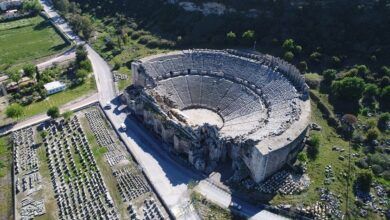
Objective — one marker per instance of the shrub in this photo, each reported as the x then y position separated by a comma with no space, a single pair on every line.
371,90
302,157
289,56
302,66
384,121
372,134
364,180
385,97
362,163
313,146
386,175
231,37
53,112
377,169
288,44
248,36
349,88
14,111
329,75
315,57
67,115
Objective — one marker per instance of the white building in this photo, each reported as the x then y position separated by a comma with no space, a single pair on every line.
7,4
54,87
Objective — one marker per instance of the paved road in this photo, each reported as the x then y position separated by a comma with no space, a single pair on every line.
61,58
72,106
169,178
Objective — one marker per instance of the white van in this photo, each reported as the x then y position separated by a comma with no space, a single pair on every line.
123,127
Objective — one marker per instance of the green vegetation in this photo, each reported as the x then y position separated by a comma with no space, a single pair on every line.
364,180
14,111
6,205
59,99
208,210
27,40
67,115
53,112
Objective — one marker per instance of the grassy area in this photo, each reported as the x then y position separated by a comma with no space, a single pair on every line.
50,201
60,99
6,211
316,169
26,40
208,210
105,169
123,84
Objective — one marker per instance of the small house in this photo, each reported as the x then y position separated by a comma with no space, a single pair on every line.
54,87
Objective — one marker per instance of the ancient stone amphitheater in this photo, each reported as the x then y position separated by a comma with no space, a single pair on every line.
218,107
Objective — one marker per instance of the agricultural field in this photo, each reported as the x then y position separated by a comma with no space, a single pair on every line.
28,40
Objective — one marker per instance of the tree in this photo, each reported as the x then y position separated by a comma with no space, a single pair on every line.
33,6
329,75
67,115
289,56
231,37
81,53
15,76
372,134
315,57
248,36
62,5
14,111
53,112
349,88
364,180
302,66
385,98
288,45
371,91
86,65
30,70
81,74
384,121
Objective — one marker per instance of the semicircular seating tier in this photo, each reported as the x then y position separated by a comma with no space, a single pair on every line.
253,98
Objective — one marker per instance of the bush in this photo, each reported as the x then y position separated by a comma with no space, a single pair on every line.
67,115
329,75
384,121
372,134
364,180
362,163
302,66
288,56
302,157
377,169
231,37
53,112
248,36
386,175
14,111
86,65
349,88
371,90
288,45
315,57
313,146
385,97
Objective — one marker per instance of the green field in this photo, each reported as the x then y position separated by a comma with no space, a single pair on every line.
27,40
59,99
5,179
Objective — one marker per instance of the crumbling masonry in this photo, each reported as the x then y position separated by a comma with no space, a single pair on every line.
261,100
